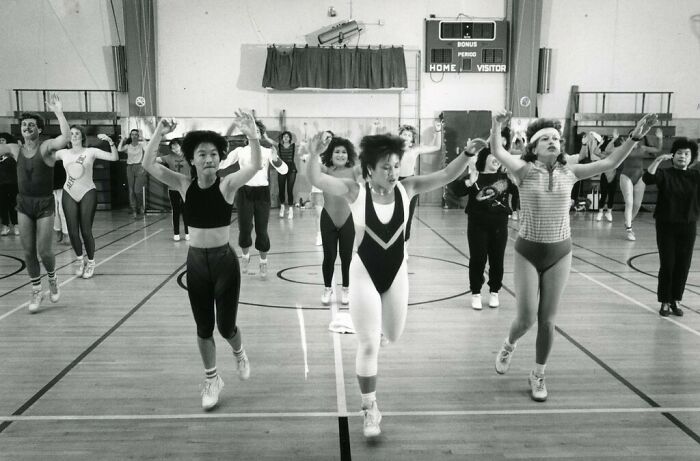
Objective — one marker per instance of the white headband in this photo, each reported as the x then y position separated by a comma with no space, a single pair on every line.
544,131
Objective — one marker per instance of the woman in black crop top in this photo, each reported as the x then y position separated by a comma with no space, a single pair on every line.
213,273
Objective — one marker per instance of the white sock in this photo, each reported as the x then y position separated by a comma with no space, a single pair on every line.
368,399
509,345
539,369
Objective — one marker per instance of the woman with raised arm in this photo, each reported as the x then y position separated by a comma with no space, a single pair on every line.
213,272
542,258
286,150
80,198
378,272
135,173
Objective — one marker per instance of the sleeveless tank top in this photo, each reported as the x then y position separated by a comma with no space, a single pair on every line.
77,186
34,177
206,208
287,155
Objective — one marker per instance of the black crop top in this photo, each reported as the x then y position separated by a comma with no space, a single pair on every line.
206,208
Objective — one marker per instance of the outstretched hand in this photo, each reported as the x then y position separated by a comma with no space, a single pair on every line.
166,126
318,144
501,116
644,125
54,103
246,123
104,137
474,146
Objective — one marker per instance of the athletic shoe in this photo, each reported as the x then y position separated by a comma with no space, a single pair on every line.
291,213
599,216
16,230
608,215
35,302
538,390
503,358
89,270
243,366
326,296
80,266
187,237
134,215
515,216
176,237
245,264
383,341
345,295
65,240
675,310
210,392
263,269
476,302
493,300
665,310
5,231
54,290
630,234
319,240
372,418
282,210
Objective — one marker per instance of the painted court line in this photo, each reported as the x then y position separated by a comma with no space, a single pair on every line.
332,414
302,333
23,305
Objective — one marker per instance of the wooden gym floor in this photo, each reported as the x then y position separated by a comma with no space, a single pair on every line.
112,370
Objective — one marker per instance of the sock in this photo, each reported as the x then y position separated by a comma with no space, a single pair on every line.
210,373
539,369
36,284
239,353
510,347
368,399
91,262
246,256
263,260
52,275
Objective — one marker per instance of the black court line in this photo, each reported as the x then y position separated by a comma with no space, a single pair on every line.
651,402
344,434
22,265
630,263
100,248
33,399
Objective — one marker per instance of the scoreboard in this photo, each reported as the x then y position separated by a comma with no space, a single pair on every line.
466,46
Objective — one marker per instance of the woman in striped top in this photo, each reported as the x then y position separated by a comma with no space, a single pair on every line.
542,258
286,150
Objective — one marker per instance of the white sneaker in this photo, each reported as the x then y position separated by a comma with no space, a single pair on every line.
80,267
243,366
245,264
187,237
608,215
538,390
319,240
326,296
515,216
372,418
5,231
630,234
263,269
476,302
35,302
89,270
210,392
16,230
54,290
503,358
291,213
176,237
493,300
345,295
599,216
282,210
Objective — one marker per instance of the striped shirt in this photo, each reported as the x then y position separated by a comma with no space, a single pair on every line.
545,199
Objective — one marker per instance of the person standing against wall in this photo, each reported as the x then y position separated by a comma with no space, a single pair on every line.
287,150
135,174
176,162
8,189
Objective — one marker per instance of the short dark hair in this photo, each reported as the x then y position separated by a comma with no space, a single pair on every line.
9,139
375,147
327,155
291,136
685,143
261,127
507,135
481,159
410,128
82,133
197,137
533,128
34,116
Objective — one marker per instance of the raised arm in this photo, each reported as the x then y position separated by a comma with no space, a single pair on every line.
435,144
619,154
655,164
334,186
659,143
102,155
50,146
168,177
512,163
122,145
231,183
275,159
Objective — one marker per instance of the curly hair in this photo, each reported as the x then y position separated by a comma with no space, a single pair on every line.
481,159
533,128
375,147
685,143
327,155
197,137
34,116
412,129
9,139
281,136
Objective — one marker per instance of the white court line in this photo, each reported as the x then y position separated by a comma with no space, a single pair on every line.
634,301
302,332
332,414
338,357
75,276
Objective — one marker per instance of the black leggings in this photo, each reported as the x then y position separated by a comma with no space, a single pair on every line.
213,286
675,242
253,204
334,237
515,199
286,184
178,209
79,218
487,240
8,204
608,190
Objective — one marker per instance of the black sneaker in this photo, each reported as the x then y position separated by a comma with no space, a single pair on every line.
665,310
675,310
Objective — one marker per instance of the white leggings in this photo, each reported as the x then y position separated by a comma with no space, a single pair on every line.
374,314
